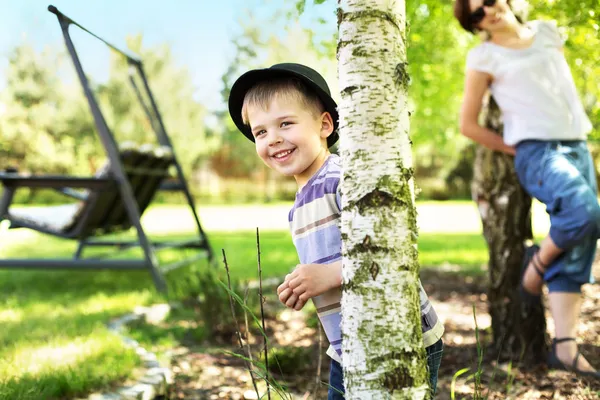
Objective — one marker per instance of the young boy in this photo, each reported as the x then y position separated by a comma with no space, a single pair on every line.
288,112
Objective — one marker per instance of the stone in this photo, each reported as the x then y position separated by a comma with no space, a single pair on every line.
156,378
157,381
250,395
127,318
104,396
157,313
140,391
185,366
161,371
149,356
130,342
151,364
140,351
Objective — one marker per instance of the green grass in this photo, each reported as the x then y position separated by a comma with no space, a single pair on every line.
467,251
53,338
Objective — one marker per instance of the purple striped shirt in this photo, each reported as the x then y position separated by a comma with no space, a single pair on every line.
315,226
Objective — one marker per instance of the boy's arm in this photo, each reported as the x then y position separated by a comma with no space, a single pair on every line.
308,281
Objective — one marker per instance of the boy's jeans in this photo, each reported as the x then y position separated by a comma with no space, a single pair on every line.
434,359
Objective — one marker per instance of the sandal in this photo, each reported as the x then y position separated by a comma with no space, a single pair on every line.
531,254
555,363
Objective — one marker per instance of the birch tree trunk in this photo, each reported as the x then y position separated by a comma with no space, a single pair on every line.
383,354
519,332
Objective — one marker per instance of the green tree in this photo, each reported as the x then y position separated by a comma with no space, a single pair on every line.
580,26
173,92
47,127
32,102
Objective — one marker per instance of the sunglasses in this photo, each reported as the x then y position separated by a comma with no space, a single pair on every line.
479,13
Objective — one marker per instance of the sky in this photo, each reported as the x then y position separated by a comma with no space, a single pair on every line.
199,32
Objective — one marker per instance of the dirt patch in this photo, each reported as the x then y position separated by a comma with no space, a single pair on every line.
212,373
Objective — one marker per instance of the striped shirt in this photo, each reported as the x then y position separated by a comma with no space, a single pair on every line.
315,227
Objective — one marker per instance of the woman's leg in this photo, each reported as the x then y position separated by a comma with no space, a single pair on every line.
565,308
566,183
532,281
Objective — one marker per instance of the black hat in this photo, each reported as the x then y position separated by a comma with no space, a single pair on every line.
306,75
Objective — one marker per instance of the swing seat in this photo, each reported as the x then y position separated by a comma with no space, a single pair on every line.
100,209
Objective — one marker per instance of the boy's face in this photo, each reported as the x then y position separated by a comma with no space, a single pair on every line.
289,138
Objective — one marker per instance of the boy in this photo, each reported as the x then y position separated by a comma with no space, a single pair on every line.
288,112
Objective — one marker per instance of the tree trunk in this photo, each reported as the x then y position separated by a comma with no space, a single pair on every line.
383,354
519,332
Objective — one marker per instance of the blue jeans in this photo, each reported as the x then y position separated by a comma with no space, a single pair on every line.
561,175
434,359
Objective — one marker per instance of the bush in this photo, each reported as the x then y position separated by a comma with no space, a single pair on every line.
201,288
288,360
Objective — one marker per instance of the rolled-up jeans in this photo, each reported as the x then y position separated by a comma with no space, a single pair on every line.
561,175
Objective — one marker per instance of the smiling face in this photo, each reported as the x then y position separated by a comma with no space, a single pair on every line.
497,16
289,137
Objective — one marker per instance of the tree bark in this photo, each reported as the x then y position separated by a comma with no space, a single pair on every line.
519,331
383,354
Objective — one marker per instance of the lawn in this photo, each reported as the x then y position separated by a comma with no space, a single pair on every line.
53,341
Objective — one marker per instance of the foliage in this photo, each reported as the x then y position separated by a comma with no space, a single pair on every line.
34,123
437,48
211,302
46,125
183,116
288,360
578,22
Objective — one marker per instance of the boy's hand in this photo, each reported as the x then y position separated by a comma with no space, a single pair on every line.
287,296
311,280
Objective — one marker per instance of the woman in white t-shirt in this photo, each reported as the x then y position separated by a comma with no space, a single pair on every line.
545,128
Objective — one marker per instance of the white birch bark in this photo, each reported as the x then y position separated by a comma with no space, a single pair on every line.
383,355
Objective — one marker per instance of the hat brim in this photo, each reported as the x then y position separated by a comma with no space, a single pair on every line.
250,78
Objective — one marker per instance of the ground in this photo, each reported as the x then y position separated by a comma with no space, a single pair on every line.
49,331
208,373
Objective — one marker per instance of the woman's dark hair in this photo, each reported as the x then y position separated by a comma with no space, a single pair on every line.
462,12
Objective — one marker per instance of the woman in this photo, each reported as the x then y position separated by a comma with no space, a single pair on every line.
545,128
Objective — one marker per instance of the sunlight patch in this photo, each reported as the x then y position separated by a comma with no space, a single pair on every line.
100,303
11,315
55,356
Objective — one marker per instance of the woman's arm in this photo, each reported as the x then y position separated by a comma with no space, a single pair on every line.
476,84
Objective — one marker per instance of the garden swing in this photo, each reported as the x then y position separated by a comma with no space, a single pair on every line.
114,199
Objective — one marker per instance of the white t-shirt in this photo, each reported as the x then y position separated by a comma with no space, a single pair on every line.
533,87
